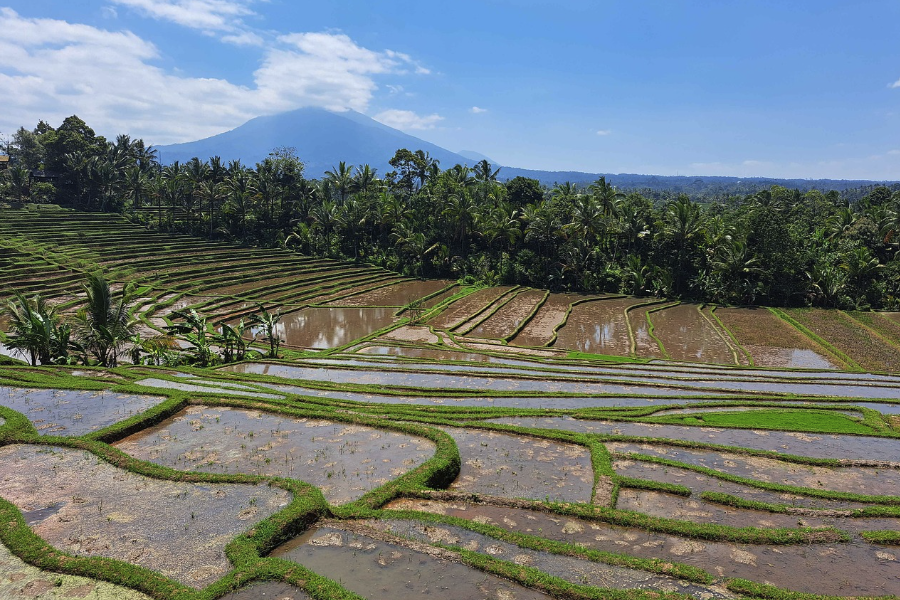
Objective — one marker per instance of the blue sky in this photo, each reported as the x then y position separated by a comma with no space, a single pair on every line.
770,88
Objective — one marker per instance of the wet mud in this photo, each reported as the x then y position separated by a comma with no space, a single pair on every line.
859,480
573,570
818,568
380,570
344,461
21,581
268,590
511,466
177,529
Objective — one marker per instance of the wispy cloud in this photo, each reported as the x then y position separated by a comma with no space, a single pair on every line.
407,120
476,110
51,69
604,132
207,15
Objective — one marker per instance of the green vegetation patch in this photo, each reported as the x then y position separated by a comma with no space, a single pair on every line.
809,421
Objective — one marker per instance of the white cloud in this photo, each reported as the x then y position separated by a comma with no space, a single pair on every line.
407,120
896,84
206,15
475,110
51,69
244,38
603,132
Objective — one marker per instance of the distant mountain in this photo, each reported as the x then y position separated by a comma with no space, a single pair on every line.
476,157
323,138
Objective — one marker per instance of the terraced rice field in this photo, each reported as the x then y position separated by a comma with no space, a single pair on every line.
512,443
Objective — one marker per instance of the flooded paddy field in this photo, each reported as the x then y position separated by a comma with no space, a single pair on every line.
846,335
817,568
571,569
817,445
268,590
88,507
64,412
463,309
388,569
423,379
771,342
496,378
511,466
508,319
561,403
396,295
598,327
859,480
344,461
688,335
698,483
332,327
539,330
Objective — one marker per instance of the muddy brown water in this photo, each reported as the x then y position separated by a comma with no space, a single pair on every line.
331,327
177,529
858,480
571,569
644,344
818,568
464,308
22,581
268,590
510,317
816,445
770,341
343,460
688,336
65,412
598,327
378,570
511,466
539,330
397,295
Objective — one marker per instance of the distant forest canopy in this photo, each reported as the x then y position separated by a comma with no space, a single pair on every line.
775,246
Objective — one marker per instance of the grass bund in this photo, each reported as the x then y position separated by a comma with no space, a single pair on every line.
416,393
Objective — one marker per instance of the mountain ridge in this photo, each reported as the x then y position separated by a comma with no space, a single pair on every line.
323,138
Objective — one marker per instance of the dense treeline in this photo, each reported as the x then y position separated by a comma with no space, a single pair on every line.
777,246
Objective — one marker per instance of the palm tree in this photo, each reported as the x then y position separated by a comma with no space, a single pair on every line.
19,182
105,325
341,179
